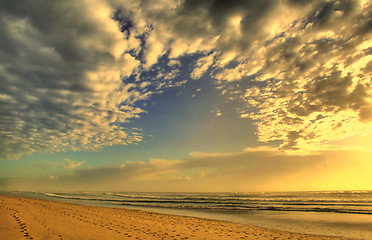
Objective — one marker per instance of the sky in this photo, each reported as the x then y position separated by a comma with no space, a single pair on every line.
185,95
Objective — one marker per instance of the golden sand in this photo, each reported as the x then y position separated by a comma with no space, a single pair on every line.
22,218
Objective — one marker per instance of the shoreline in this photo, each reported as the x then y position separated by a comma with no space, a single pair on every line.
29,218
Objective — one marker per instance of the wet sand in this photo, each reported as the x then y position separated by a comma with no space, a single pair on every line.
22,218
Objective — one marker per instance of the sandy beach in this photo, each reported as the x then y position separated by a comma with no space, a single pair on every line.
23,218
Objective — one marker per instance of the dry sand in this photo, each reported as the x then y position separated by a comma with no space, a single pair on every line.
22,218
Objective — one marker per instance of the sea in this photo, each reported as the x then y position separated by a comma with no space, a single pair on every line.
334,213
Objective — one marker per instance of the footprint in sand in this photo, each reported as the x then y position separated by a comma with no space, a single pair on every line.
22,225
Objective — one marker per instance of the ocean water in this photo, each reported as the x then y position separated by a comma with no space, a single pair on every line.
335,213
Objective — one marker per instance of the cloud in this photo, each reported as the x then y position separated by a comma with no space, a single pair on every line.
254,169
66,71
301,67
69,164
73,73
61,68
308,85
202,65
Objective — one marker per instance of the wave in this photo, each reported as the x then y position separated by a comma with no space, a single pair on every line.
269,200
228,202
253,208
79,197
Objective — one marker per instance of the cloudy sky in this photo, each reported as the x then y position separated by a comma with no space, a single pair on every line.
185,95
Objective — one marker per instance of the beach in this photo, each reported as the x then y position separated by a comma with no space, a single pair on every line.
24,218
